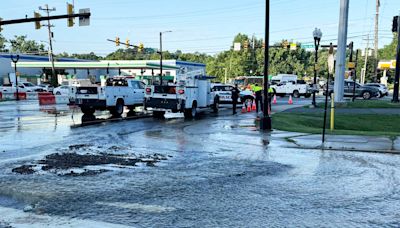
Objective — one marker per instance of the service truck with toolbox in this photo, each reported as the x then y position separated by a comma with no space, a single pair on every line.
118,93
190,93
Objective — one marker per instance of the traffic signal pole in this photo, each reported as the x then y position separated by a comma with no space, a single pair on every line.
397,75
266,122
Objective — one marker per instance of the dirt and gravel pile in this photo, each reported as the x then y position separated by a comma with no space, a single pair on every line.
76,164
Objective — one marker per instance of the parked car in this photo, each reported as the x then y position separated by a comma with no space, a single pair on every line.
61,90
23,87
47,87
383,90
366,92
224,92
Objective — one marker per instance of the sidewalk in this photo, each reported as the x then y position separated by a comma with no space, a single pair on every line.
347,142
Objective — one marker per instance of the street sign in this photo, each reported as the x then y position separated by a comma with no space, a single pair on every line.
351,65
84,21
307,46
236,46
331,63
293,46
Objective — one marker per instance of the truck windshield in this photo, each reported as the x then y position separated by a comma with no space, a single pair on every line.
165,89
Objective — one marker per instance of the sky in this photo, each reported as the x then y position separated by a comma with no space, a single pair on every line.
206,26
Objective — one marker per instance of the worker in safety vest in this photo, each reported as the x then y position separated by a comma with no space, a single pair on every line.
258,91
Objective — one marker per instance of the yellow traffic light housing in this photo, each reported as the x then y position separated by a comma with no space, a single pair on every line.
70,11
141,47
127,43
285,44
37,23
246,45
117,41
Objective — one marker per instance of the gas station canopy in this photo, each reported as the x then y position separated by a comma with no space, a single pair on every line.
95,65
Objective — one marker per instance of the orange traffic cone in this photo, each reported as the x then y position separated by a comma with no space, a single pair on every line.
243,109
274,101
249,107
290,100
253,106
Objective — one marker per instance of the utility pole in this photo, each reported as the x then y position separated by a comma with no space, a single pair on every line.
341,52
161,57
378,4
266,122
364,72
54,79
397,75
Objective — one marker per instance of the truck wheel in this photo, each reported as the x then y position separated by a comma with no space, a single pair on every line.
191,112
88,110
296,94
366,95
118,109
158,114
216,105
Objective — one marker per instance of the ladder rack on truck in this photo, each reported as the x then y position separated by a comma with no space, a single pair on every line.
190,94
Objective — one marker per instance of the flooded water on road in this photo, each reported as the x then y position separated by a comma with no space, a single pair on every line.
219,172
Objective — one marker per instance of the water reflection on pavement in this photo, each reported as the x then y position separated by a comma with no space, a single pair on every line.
220,172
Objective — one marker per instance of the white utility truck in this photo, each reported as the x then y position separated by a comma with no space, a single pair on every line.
292,88
189,94
118,93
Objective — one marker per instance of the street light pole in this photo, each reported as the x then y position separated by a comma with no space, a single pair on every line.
266,122
317,38
15,60
161,57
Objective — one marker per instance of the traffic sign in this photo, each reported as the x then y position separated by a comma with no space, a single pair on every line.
307,46
84,21
293,46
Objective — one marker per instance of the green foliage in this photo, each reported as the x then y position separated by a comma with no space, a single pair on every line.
21,45
2,43
90,56
389,51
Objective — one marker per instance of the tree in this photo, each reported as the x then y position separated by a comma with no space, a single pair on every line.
388,52
2,44
21,45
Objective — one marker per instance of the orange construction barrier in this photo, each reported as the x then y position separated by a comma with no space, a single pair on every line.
46,98
249,107
21,95
290,100
274,101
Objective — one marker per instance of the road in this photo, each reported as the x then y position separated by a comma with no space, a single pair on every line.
216,171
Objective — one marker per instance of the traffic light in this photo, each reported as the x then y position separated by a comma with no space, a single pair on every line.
395,25
1,29
37,23
127,43
141,47
285,44
70,11
117,41
245,45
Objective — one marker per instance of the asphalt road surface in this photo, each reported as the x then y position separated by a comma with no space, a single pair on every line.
216,171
